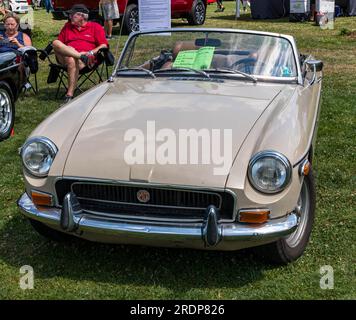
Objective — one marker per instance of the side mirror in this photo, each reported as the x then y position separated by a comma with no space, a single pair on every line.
315,65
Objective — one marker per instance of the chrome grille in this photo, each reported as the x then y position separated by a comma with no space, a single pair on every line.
158,197
115,199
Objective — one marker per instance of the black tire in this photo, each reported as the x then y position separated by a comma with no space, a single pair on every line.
198,13
50,233
130,19
290,248
7,111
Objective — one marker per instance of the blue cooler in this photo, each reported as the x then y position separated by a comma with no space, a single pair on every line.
338,11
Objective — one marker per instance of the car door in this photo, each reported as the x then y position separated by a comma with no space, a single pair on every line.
181,6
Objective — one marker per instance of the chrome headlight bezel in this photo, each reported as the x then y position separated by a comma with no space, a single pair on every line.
51,147
276,156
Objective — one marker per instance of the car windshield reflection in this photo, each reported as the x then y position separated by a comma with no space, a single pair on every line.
212,52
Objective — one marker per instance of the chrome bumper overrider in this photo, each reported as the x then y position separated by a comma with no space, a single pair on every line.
207,235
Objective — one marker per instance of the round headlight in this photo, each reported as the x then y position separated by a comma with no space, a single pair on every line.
269,172
38,155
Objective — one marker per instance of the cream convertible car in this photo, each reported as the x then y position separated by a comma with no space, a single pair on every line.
202,138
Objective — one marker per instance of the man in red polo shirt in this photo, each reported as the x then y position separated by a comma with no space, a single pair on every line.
77,44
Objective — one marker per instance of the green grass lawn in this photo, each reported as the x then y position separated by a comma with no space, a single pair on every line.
83,270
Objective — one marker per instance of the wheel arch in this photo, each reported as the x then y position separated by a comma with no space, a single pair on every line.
132,2
14,92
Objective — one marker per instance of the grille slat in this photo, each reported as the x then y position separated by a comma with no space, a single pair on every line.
164,203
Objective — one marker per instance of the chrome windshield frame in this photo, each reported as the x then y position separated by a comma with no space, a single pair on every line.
290,39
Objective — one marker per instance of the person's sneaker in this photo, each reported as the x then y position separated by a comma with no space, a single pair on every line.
67,99
109,37
222,9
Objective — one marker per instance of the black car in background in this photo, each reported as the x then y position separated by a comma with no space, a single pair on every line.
13,77
11,80
15,68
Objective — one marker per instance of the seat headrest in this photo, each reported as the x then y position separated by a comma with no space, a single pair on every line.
182,46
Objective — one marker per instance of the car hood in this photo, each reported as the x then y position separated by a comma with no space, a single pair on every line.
131,106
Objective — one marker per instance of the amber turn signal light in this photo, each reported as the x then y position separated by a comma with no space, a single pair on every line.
304,168
42,199
254,216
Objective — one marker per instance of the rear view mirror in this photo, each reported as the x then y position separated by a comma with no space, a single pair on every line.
208,42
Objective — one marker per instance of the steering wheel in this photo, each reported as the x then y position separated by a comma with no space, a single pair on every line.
249,64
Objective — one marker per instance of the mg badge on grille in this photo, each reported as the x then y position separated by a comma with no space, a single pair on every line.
143,196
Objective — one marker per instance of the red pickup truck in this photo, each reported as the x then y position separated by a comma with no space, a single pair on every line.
193,10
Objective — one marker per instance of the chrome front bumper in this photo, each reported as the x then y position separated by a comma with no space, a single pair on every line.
232,236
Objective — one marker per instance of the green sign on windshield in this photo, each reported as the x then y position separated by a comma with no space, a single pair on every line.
196,59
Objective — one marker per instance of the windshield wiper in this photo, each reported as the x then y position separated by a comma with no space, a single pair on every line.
201,72
246,75
149,72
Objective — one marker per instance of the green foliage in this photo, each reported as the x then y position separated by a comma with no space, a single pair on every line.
345,32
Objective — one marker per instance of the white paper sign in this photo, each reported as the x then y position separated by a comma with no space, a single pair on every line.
325,6
299,6
154,14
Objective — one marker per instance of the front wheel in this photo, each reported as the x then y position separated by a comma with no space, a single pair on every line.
7,111
130,19
197,14
290,248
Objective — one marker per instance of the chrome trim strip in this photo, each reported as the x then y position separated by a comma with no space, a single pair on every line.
140,218
162,233
141,204
11,67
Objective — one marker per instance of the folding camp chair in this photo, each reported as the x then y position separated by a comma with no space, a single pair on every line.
30,59
104,59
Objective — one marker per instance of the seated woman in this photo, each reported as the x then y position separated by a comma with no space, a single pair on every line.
11,39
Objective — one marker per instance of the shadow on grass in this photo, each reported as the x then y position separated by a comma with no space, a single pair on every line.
44,94
176,269
49,93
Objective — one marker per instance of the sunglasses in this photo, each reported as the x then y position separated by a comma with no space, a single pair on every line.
81,14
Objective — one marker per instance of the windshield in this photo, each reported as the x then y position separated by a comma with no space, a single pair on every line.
210,51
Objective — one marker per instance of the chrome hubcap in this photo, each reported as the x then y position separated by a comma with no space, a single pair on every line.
134,25
199,13
303,207
5,112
